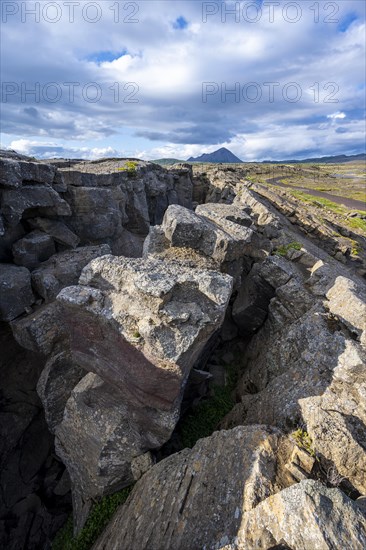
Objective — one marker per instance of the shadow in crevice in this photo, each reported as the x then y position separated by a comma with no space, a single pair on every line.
35,497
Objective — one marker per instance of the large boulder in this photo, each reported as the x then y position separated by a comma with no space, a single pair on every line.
148,322
140,325
16,294
225,238
303,517
198,498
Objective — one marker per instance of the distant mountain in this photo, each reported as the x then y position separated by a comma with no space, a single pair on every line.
336,159
221,155
167,162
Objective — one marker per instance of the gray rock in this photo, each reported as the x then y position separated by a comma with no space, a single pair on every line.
99,439
15,291
184,228
58,379
159,318
10,173
64,269
347,301
228,243
36,247
194,498
226,216
57,230
304,516
30,201
140,325
336,420
11,235
97,213
41,330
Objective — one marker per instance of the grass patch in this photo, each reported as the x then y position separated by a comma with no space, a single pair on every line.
353,223
203,420
284,249
98,519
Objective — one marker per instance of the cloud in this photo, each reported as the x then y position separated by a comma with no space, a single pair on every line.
47,150
132,81
336,115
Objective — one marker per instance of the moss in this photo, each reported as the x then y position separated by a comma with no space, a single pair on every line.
98,519
283,250
203,420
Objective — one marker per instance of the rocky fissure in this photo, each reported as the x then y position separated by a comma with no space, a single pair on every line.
119,279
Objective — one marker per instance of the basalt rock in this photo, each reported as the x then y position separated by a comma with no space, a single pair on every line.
57,230
198,498
336,420
99,438
16,294
63,269
140,325
304,516
225,238
36,247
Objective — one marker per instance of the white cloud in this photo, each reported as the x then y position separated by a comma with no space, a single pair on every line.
169,67
336,115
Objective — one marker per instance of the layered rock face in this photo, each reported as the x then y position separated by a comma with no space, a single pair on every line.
228,493
140,325
197,498
124,291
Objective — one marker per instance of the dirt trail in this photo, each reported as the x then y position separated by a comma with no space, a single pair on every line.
348,203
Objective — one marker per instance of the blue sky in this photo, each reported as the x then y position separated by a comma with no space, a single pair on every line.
177,78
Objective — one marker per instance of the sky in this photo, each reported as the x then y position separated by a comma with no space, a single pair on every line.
152,79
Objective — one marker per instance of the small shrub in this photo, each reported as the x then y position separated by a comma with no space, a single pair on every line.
303,440
130,167
98,519
284,249
136,334
203,420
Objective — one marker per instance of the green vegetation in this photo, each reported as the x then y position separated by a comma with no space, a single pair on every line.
282,250
203,420
130,167
303,440
136,334
353,223
98,518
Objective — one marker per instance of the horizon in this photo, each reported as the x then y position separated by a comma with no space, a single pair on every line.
157,80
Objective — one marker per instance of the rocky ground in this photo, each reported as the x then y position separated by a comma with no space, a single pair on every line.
130,294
